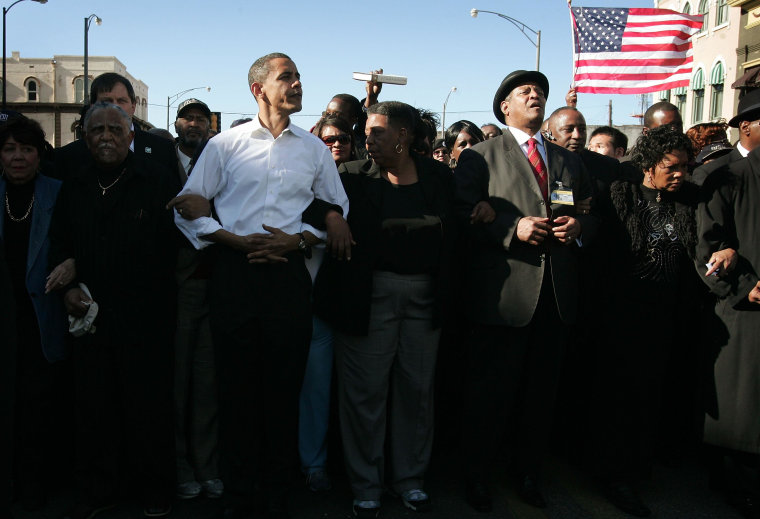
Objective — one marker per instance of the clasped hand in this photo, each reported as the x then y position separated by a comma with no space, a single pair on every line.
534,230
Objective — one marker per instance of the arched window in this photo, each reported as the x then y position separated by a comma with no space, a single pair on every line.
704,10
721,12
698,96
680,99
144,102
79,90
716,94
687,8
32,90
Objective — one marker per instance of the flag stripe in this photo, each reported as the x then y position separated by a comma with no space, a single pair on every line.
634,50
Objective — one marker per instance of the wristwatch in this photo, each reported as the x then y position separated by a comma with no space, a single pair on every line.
303,246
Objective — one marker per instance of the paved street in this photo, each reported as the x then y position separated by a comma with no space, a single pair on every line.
674,493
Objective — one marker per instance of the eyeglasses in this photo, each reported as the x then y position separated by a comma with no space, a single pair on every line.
332,139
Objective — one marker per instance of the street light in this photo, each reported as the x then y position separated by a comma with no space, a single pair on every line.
170,99
443,119
519,25
87,22
5,10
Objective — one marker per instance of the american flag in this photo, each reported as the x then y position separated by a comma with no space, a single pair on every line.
631,51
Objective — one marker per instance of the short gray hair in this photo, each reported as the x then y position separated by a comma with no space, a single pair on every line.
102,105
260,68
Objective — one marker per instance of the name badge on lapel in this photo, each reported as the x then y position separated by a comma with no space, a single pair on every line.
148,150
561,196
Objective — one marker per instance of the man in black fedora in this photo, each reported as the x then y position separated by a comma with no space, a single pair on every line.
747,120
522,282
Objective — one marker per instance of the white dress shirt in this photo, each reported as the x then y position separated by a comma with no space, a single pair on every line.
741,149
522,139
255,179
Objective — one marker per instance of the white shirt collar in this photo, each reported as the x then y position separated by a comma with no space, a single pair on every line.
522,138
741,149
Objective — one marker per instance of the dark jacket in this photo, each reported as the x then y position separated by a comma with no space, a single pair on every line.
505,275
124,244
51,316
343,289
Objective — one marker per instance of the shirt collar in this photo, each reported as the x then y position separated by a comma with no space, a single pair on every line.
258,129
741,149
521,137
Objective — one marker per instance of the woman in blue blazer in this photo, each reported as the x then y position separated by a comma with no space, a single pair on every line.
28,198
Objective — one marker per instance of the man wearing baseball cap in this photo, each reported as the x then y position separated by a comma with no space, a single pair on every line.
196,402
192,125
522,281
747,120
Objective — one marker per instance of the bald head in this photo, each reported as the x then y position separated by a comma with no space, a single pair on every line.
568,127
662,114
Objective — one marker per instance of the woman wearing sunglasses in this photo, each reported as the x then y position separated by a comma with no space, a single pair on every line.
337,135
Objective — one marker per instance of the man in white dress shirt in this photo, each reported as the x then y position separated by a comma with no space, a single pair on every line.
262,175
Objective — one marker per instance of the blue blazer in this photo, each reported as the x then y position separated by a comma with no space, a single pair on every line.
51,314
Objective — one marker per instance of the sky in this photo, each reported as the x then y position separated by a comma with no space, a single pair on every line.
175,45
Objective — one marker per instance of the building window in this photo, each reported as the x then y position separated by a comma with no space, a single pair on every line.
721,12
32,90
687,8
664,95
680,98
704,10
716,93
79,90
698,96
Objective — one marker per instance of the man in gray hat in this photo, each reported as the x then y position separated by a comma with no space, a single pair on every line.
522,281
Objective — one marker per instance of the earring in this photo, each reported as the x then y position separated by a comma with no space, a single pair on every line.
399,148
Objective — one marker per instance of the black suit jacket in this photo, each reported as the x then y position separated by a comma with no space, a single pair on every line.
702,172
504,274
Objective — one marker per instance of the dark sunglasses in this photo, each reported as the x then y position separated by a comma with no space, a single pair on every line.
332,139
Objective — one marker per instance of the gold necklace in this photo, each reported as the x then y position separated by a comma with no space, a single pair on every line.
26,215
106,188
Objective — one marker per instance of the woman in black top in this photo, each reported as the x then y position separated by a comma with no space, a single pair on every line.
383,305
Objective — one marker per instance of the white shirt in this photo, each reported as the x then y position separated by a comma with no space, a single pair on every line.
256,179
522,139
741,149
184,160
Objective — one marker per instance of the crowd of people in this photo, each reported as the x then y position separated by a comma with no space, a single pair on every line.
173,312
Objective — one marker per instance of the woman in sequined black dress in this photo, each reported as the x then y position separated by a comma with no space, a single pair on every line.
654,284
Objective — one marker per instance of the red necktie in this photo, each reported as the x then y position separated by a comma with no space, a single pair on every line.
539,168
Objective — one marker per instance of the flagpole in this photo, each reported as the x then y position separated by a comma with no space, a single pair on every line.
572,40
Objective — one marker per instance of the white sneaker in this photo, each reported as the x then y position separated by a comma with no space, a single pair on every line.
188,490
214,488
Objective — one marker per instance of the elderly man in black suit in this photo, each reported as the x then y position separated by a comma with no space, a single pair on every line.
522,280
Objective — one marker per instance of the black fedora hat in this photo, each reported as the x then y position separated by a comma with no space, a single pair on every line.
515,79
749,109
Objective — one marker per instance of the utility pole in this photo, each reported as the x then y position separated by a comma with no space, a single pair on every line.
609,114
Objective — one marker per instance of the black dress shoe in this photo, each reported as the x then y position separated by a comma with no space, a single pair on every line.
530,491
478,496
627,499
